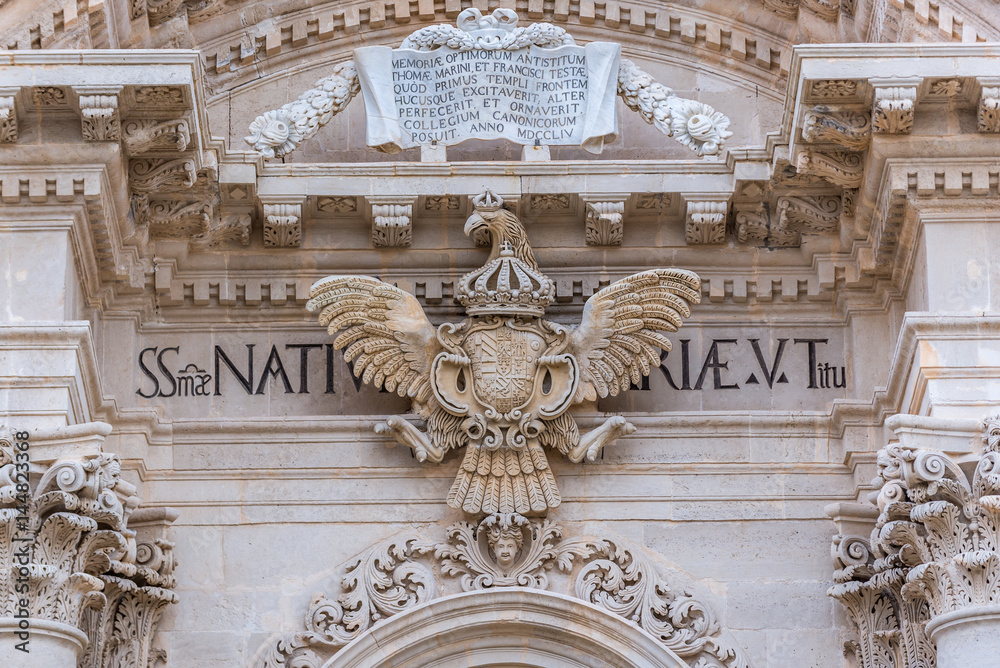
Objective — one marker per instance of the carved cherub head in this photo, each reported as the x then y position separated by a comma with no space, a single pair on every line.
505,537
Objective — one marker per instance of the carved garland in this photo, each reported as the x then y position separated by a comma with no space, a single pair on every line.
504,550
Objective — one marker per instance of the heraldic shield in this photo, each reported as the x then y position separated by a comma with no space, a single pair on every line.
501,382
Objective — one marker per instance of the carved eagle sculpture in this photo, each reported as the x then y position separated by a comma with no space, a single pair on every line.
501,382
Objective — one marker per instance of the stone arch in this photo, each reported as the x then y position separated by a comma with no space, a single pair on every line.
502,628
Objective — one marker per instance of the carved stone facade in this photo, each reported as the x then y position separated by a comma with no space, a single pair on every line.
643,289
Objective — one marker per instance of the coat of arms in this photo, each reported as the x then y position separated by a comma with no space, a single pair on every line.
501,382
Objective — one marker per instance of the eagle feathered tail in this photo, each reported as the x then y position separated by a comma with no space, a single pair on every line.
504,481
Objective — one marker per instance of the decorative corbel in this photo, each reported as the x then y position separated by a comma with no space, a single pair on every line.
786,8
282,224
176,219
847,127
895,100
233,228
819,214
99,112
392,221
604,220
752,224
988,111
8,115
842,168
143,135
148,175
705,222
828,10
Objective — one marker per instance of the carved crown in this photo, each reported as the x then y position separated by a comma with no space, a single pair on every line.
505,286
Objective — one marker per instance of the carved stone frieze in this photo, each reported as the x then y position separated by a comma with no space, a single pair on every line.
50,96
705,222
847,127
8,115
144,135
504,419
392,221
149,175
892,112
842,168
988,109
99,113
442,203
282,225
652,201
159,97
506,550
604,222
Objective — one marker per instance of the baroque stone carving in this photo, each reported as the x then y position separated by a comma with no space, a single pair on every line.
500,383
652,201
786,8
392,221
99,114
893,110
847,127
604,223
176,219
842,168
819,214
8,116
828,10
441,203
159,96
705,222
827,89
234,228
282,225
143,135
337,204
70,532
752,224
694,124
988,112
50,96
549,202
147,175
506,550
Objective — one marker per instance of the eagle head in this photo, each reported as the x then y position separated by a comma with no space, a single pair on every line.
503,227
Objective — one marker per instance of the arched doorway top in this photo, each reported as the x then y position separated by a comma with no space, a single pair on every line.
505,627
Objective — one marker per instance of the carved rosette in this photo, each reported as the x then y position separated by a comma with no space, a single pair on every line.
506,550
66,530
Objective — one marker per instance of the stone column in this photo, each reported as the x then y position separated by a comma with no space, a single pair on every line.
933,570
66,550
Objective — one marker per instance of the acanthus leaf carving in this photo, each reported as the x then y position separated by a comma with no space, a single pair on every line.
392,221
988,111
178,219
844,126
831,89
99,113
148,175
506,550
816,214
604,222
8,115
893,109
231,228
789,9
705,222
828,10
282,225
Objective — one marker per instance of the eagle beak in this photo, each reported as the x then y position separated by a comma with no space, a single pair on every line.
474,222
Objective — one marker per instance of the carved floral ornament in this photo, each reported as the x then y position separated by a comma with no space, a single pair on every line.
506,550
934,554
692,123
501,382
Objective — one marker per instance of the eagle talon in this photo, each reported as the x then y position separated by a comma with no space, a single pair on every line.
406,434
594,441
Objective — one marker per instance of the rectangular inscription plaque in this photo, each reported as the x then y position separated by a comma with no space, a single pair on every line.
558,96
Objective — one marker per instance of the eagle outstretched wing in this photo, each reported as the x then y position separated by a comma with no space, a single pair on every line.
385,332
619,339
